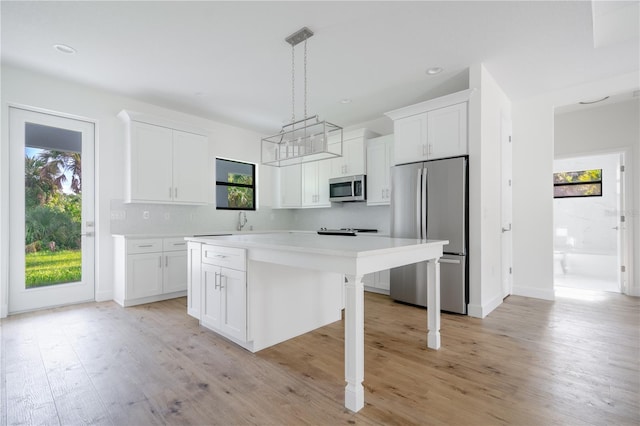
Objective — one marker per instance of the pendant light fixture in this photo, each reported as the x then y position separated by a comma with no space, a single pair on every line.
307,139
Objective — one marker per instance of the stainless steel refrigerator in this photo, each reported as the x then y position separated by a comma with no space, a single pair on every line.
429,200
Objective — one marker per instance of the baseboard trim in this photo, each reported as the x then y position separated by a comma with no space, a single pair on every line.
481,311
536,293
633,291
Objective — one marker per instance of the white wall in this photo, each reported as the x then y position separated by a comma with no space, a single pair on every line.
602,129
27,88
486,109
533,153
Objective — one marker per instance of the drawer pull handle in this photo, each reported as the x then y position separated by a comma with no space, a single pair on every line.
179,244
145,245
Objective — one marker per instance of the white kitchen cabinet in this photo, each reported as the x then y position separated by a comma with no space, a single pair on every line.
290,181
315,184
164,164
378,282
224,291
447,131
411,139
149,269
432,129
194,279
379,163
353,159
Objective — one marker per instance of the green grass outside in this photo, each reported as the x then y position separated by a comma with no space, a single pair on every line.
48,268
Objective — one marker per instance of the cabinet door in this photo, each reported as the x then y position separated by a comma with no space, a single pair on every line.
310,183
376,163
315,184
324,169
410,136
447,131
354,157
144,275
194,287
352,161
389,162
290,190
151,163
175,271
379,163
190,167
210,315
234,303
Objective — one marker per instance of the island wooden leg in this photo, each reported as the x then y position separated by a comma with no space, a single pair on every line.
433,304
354,343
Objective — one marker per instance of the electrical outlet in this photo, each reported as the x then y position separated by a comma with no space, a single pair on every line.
145,214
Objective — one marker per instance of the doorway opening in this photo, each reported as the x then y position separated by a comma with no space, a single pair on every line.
588,227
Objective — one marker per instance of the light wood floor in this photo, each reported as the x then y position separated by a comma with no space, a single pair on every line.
569,362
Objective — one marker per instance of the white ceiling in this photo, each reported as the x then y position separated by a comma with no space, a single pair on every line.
228,61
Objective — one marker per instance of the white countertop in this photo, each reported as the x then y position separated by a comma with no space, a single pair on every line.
310,242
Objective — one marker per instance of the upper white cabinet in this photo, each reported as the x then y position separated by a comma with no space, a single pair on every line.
315,184
379,163
433,129
353,159
164,164
288,187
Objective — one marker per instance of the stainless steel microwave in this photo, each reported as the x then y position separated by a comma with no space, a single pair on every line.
349,188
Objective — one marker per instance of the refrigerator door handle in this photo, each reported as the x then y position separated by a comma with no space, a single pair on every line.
419,205
425,200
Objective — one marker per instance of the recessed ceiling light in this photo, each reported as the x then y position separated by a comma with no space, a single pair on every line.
345,101
593,102
63,48
434,70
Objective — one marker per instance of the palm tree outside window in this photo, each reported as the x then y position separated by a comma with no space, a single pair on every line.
235,185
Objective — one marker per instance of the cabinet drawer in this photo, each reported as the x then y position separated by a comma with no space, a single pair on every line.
228,257
148,245
174,244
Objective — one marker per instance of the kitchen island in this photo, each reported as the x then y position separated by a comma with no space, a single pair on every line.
226,271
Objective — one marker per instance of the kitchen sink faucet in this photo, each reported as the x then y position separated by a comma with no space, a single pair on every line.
242,220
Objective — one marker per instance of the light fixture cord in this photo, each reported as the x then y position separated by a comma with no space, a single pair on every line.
293,83
305,79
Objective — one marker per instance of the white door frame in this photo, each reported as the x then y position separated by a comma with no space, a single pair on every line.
625,205
506,201
20,299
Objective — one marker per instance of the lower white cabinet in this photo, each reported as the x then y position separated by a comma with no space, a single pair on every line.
224,291
149,269
378,282
258,304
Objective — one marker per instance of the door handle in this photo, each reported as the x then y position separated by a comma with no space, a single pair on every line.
506,229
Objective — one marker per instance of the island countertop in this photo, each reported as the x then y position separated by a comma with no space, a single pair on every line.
336,245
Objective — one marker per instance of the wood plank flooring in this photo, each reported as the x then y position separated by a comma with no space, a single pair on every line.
530,362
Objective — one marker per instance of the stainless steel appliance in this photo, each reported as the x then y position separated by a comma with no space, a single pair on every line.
430,201
349,188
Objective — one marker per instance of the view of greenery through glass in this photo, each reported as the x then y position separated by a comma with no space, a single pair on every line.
583,183
53,207
239,196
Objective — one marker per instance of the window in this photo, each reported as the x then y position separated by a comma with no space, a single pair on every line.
235,185
583,183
